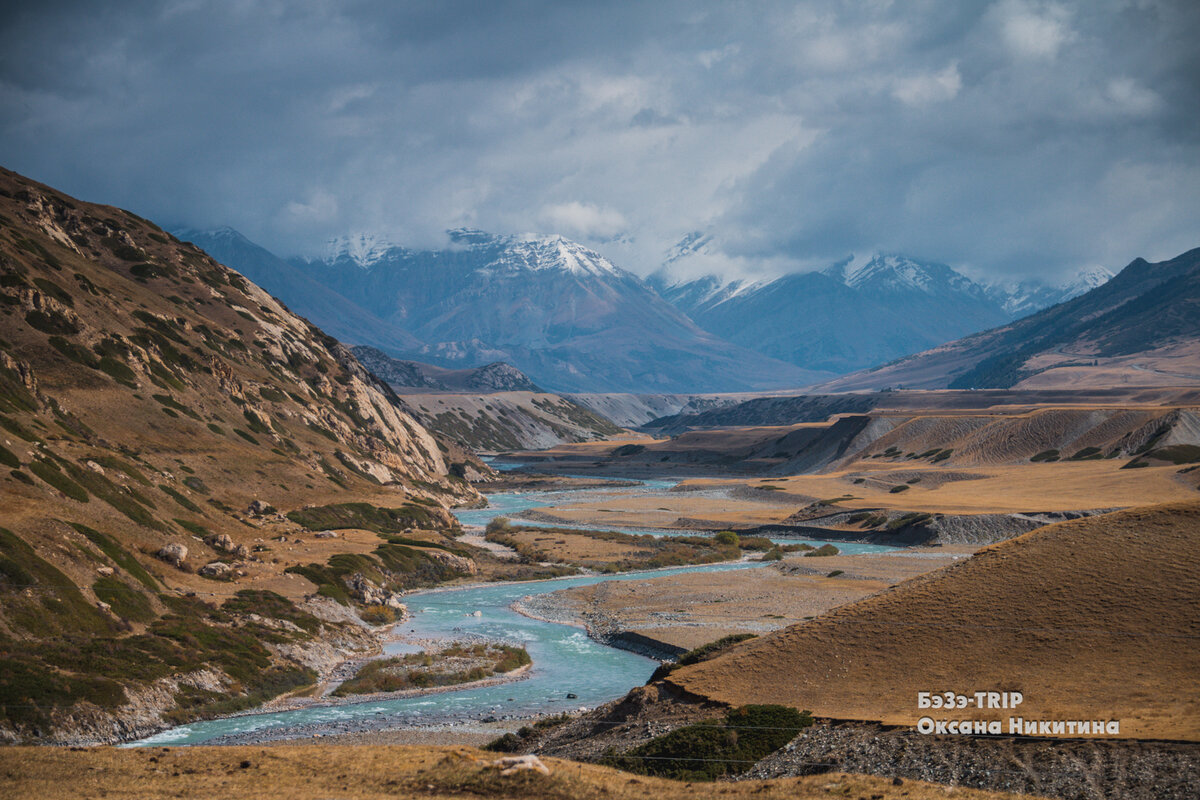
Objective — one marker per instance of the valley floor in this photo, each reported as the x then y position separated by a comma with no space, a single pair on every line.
685,611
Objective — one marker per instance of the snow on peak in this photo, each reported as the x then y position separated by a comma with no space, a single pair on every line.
364,249
894,271
1085,280
223,232
553,252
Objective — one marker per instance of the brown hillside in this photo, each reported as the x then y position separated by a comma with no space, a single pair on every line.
1091,619
365,773
148,395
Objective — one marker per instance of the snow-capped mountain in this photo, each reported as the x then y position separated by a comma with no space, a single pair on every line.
850,315
362,249
1029,296
558,311
893,273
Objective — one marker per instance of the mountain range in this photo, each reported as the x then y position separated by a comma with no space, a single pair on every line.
849,317
1140,328
559,312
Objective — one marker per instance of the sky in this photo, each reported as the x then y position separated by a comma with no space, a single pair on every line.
1010,139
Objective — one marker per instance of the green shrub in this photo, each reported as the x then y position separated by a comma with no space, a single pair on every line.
379,615
245,436
80,355
341,516
8,458
1177,453
119,555
709,750
911,518
51,474
1045,455
180,499
118,371
706,651
823,550
51,322
899,488
125,601
726,538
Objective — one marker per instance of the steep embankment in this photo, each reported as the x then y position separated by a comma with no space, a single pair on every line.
508,420
156,408
495,407
1091,619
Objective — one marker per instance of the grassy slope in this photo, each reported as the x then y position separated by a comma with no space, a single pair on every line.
147,395
362,773
1095,618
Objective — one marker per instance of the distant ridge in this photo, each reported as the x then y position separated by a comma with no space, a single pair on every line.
1142,327
494,377
559,312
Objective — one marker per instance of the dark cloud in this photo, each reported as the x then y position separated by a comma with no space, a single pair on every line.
1015,137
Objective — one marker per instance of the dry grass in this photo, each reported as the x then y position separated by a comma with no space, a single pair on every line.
366,773
1061,486
692,609
1096,618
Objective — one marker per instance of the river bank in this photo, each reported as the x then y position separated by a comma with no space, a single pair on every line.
664,616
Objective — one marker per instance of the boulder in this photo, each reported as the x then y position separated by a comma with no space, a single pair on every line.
104,571
257,508
461,564
215,569
220,541
325,535
174,554
511,765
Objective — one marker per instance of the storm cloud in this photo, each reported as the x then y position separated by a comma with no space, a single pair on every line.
1012,139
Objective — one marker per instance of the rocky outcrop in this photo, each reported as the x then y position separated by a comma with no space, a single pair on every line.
461,564
174,554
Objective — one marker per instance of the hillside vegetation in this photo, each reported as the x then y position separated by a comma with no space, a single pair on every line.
158,412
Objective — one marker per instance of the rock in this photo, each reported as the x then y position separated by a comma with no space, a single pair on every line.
103,606
510,765
173,553
220,541
572,696
257,508
215,569
241,551
461,564
325,535
105,571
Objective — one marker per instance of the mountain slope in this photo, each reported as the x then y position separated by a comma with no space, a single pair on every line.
1030,296
400,374
489,408
1124,591
337,316
155,409
1141,326
560,313
841,320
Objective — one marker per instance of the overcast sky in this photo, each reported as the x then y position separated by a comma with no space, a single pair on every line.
1011,139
